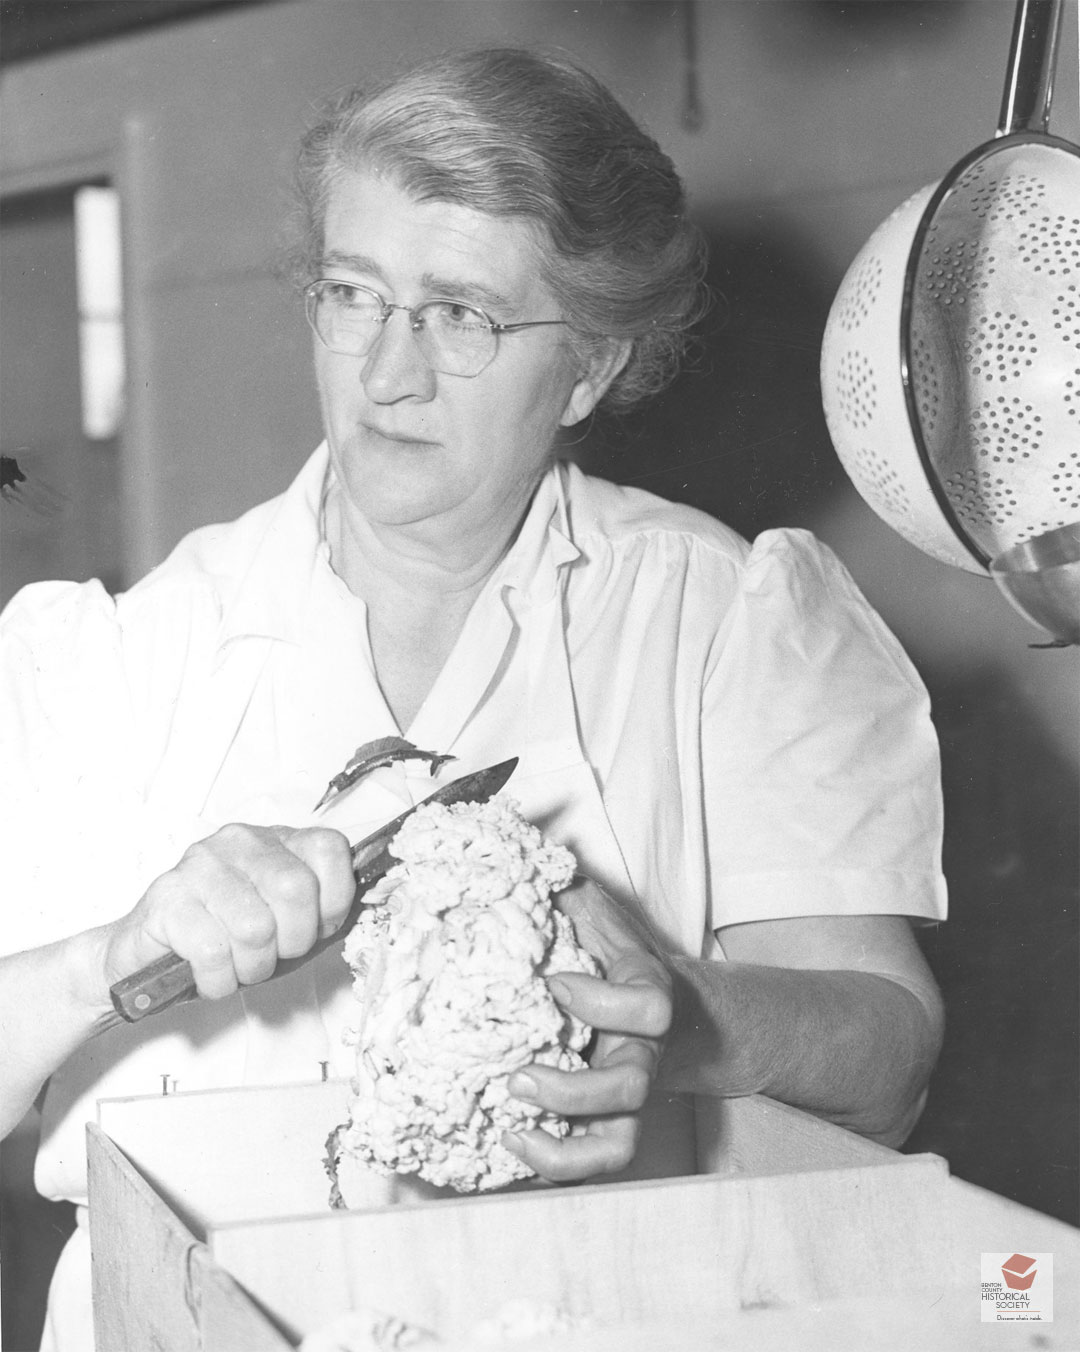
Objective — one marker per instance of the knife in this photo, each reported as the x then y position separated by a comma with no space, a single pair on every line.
169,980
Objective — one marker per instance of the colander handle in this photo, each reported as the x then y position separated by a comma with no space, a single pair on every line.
1029,83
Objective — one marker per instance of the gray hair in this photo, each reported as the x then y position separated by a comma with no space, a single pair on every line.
517,133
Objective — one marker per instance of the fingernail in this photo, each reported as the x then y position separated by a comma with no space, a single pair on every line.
513,1144
560,991
522,1086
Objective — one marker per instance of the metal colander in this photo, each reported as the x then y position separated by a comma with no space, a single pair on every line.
951,358
992,344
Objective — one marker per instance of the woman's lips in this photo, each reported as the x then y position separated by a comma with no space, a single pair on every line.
397,438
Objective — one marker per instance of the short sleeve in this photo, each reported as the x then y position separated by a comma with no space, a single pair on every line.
820,761
73,828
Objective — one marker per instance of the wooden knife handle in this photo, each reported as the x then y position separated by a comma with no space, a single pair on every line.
159,984
170,980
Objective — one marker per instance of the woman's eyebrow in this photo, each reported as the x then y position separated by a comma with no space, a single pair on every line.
335,258
457,288
448,288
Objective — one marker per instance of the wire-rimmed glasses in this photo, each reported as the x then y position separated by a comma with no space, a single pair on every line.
454,337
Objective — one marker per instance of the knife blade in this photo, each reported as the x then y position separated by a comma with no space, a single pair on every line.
169,980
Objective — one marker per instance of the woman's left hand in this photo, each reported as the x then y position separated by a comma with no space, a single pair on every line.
631,1008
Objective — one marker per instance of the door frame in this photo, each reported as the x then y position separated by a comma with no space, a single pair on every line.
123,164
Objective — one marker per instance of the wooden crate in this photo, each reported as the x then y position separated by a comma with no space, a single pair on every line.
211,1230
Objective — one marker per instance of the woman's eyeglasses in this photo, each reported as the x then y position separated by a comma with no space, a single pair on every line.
454,338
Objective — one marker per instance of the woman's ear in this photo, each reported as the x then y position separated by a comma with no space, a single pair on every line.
592,384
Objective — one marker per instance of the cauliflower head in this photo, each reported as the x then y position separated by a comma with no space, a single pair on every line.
449,963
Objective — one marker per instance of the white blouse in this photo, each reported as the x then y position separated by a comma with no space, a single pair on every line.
729,732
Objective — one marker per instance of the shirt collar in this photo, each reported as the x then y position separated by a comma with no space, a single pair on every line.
272,598
544,543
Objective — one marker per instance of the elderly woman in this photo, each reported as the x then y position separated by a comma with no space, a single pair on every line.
726,735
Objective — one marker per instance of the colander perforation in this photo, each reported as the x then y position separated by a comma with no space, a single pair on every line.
1051,245
859,302
1065,485
981,499
885,484
1016,197
954,271
1065,315
1007,430
884,490
981,186
995,197
999,345
857,389
927,385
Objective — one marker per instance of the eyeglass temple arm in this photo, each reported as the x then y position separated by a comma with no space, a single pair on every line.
526,324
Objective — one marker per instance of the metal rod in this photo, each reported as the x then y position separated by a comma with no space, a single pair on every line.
1029,83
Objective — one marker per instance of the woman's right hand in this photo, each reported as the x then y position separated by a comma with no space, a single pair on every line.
235,903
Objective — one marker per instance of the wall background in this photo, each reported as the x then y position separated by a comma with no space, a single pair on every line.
819,119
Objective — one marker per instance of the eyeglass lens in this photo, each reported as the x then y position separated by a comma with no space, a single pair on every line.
453,337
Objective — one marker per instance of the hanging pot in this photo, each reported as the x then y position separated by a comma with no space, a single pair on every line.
950,363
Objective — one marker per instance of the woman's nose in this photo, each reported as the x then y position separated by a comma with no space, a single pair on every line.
395,367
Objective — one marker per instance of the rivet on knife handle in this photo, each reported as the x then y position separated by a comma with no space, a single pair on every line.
159,984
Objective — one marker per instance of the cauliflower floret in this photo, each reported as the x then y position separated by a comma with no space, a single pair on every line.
449,963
